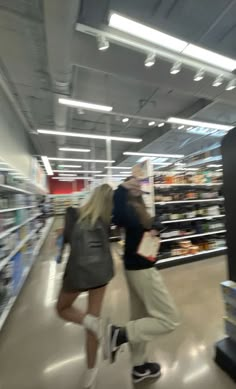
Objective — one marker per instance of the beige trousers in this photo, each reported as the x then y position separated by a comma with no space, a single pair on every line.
153,311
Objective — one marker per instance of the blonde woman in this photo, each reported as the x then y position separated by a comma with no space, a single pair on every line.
89,268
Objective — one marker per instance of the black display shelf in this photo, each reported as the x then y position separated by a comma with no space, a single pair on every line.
226,356
226,348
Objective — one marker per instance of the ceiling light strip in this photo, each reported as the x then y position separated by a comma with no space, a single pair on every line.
146,33
74,149
162,51
73,166
170,42
210,57
88,136
118,167
113,175
197,123
76,171
154,154
85,105
80,160
47,165
72,179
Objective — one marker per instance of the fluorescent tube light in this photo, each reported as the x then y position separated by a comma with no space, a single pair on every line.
210,57
197,123
113,175
88,136
159,38
47,165
66,179
75,150
181,127
72,179
154,154
67,175
81,160
65,166
142,159
118,167
214,165
146,33
161,124
85,105
77,171
125,120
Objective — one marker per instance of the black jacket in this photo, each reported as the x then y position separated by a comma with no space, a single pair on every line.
124,215
71,218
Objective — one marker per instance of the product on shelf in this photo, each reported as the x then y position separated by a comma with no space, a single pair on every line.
229,297
197,178
192,228
5,286
61,202
186,211
191,246
180,194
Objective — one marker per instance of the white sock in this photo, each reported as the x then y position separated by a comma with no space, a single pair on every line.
92,323
90,378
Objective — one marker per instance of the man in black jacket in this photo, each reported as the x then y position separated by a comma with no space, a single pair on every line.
153,311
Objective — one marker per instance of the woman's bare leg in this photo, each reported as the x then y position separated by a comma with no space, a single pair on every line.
65,307
94,308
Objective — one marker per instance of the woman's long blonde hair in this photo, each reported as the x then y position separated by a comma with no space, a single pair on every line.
99,206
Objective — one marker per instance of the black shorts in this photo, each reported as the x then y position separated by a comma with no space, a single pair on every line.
67,289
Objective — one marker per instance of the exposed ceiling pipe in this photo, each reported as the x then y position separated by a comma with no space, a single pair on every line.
6,87
60,20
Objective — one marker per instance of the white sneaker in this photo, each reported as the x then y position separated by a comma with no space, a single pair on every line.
90,378
93,324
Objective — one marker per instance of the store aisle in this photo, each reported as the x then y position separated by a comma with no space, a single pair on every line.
37,350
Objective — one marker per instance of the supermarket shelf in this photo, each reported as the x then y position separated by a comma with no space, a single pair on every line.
192,219
7,232
173,261
45,232
193,236
6,311
16,249
192,185
189,201
16,209
7,188
12,300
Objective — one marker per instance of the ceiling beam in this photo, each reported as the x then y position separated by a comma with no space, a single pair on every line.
194,108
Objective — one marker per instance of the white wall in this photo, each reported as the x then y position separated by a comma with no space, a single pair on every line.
15,146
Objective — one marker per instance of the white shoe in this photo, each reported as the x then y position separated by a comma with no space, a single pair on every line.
90,379
94,324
